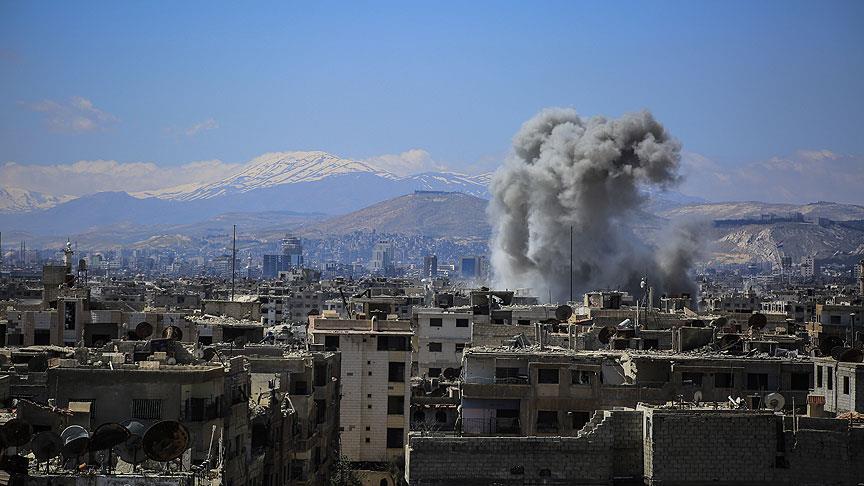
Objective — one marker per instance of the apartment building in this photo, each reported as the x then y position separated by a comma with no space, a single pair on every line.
375,376
442,335
527,391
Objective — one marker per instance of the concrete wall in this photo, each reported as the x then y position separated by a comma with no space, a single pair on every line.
601,451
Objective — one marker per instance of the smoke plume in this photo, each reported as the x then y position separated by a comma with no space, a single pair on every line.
586,173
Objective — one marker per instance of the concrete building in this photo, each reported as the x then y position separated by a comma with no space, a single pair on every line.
840,384
382,258
430,266
290,304
208,399
290,256
442,335
301,389
376,391
529,391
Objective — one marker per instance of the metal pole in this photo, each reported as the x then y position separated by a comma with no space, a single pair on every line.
571,263
233,258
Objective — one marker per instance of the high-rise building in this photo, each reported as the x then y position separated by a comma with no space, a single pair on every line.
291,256
430,266
808,267
471,266
382,257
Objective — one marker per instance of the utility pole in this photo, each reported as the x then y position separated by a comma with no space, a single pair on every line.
571,263
233,259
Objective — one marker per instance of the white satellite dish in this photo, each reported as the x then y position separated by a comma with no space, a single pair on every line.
697,396
775,401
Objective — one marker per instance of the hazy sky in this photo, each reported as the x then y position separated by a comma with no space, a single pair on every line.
741,84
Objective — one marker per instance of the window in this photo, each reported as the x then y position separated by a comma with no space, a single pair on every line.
146,409
523,322
321,375
441,416
830,380
845,385
757,381
434,347
434,372
581,377
320,411
836,319
800,381
395,438
396,372
694,378
547,375
461,322
579,419
395,405
724,380
818,377
331,343
547,421
393,343
509,375
436,322
460,347
300,388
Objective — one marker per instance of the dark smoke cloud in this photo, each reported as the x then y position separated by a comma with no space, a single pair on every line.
586,173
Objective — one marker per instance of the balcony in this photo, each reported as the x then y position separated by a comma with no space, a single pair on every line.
491,426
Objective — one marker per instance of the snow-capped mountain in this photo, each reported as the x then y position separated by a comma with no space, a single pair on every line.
15,200
302,182
269,170
287,168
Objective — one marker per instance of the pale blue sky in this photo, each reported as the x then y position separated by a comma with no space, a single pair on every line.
736,82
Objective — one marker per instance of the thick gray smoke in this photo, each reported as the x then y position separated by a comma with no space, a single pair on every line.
585,173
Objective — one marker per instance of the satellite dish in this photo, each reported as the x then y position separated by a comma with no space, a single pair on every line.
46,445
165,441
563,312
697,396
775,401
143,330
757,321
239,341
838,351
132,450
209,353
606,334
108,436
76,440
827,344
172,332
17,432
851,355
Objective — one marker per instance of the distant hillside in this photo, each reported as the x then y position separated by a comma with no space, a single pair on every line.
433,214
753,209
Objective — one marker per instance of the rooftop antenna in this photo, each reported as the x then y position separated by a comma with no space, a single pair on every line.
233,258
